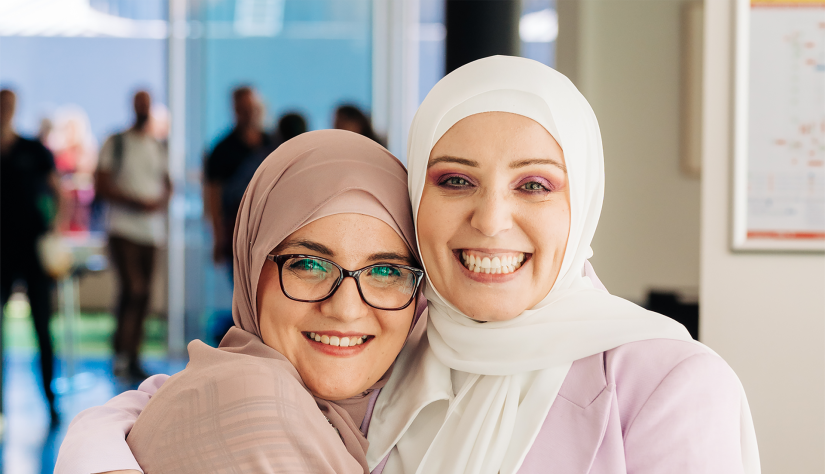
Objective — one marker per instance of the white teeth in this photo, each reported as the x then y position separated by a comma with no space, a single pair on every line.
336,341
494,266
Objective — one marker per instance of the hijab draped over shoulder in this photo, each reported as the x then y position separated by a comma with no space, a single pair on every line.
243,407
508,373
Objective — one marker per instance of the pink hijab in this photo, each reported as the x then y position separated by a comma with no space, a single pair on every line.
243,407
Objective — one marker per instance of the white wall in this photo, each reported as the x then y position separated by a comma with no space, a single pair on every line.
764,313
624,55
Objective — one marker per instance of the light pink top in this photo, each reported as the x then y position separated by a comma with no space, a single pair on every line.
658,406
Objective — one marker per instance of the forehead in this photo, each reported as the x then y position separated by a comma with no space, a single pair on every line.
497,135
354,234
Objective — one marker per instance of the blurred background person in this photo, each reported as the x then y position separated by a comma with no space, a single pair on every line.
349,117
246,140
132,177
232,189
70,138
289,126
30,201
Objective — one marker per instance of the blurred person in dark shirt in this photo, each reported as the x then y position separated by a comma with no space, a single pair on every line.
290,125
350,117
247,140
232,189
30,201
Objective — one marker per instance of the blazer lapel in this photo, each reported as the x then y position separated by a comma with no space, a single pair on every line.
575,426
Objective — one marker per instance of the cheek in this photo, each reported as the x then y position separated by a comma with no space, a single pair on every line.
432,227
439,220
548,229
278,317
395,326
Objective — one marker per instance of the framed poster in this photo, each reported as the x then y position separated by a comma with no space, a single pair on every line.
779,142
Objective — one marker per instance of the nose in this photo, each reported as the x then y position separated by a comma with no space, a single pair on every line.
492,215
346,304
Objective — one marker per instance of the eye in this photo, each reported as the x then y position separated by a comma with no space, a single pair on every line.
384,272
306,264
456,181
533,186
308,267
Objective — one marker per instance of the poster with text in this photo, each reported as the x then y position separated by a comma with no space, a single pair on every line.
779,201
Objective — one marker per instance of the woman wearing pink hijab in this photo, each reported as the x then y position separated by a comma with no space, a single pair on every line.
291,385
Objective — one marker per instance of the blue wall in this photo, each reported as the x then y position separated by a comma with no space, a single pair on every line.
321,58
98,74
311,75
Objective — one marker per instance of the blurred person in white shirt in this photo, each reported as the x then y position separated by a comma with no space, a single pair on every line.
132,177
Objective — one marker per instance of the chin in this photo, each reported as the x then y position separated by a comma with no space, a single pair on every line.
333,392
482,310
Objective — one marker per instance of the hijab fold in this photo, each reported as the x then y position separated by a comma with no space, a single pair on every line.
243,406
470,397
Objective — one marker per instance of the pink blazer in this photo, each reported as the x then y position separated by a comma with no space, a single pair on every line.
657,406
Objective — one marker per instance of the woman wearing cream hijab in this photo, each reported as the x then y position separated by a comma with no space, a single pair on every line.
526,367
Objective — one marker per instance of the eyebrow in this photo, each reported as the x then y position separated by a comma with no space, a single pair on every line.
537,161
377,257
324,250
513,165
452,159
310,245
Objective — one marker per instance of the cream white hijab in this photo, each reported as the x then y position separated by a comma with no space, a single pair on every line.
507,374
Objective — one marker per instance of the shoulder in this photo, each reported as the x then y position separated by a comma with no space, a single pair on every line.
653,356
221,157
655,368
224,145
120,138
33,145
220,388
661,377
37,150
651,361
240,375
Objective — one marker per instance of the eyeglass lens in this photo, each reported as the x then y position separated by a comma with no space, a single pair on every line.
383,286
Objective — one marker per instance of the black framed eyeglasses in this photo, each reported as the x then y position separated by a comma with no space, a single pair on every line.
310,279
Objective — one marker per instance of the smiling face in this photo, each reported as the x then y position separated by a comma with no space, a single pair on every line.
330,371
494,215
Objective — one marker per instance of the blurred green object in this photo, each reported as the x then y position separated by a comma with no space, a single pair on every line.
95,332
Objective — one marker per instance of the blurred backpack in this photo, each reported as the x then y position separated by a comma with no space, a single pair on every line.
98,206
